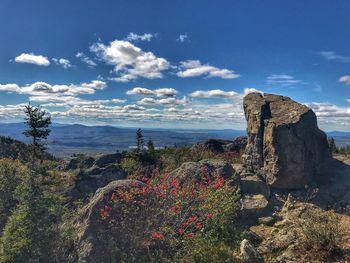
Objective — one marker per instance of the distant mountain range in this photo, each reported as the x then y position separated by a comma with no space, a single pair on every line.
65,139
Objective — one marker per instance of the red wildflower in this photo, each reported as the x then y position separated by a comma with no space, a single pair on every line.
192,219
144,179
157,236
175,183
199,226
190,235
174,208
174,191
185,223
181,231
209,216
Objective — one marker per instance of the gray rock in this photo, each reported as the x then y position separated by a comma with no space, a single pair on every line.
106,159
194,170
285,146
253,205
94,243
95,177
248,253
237,145
254,185
267,220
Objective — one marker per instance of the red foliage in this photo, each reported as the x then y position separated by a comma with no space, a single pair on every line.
175,207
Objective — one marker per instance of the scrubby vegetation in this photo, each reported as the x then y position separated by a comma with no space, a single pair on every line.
323,235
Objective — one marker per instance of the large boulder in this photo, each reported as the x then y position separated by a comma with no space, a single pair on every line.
285,145
107,159
95,243
221,146
89,180
194,170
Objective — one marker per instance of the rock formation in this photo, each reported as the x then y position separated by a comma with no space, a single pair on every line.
285,146
94,244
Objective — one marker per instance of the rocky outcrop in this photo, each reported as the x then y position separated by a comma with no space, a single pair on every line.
285,146
253,205
91,179
237,145
94,244
93,173
194,170
221,146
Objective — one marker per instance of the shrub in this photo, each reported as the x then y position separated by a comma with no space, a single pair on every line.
323,233
11,173
162,219
31,229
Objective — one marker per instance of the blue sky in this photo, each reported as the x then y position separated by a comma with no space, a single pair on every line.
183,64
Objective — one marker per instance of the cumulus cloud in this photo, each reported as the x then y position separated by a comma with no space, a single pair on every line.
182,38
10,88
194,68
282,80
345,79
48,91
117,101
164,101
163,92
65,63
216,93
86,59
135,37
331,55
130,62
31,58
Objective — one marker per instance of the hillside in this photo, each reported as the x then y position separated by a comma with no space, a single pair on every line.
66,140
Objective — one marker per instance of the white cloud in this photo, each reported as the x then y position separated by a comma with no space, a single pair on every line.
345,79
133,107
10,88
164,101
65,63
182,38
194,68
32,59
86,59
163,92
213,93
282,80
135,37
118,101
130,62
51,92
331,55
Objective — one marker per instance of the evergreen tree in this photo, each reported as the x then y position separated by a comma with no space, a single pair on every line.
140,142
31,229
332,146
38,122
150,146
150,149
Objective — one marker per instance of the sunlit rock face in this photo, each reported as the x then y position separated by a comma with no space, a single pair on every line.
285,146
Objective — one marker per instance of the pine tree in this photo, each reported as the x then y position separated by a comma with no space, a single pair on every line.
332,146
150,149
38,122
140,142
